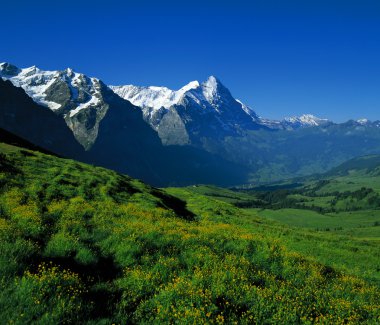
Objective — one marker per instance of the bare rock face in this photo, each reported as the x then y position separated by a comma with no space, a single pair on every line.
20,115
75,97
165,136
193,113
81,118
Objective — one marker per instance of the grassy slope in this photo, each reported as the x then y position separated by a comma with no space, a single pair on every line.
328,222
346,199
347,240
81,244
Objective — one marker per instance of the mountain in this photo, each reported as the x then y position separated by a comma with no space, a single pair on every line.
78,99
306,120
123,142
23,117
180,117
197,134
366,165
126,143
193,113
271,149
211,98
352,186
273,156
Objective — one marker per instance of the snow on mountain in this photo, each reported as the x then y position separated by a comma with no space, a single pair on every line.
366,123
363,121
210,89
306,120
94,101
70,92
34,81
295,122
152,96
38,84
209,94
197,109
272,124
65,92
161,97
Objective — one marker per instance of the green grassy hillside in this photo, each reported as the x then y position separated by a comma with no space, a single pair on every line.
82,244
352,186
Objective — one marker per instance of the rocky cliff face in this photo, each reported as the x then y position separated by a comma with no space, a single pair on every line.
193,113
199,133
78,99
20,115
124,141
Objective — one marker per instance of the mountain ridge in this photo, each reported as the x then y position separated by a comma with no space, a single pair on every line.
205,132
68,93
40,85
126,143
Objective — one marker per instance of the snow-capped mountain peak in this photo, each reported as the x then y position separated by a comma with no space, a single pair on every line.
156,98
306,120
54,88
8,69
153,97
363,121
210,88
191,85
211,83
295,122
65,92
187,109
34,81
195,111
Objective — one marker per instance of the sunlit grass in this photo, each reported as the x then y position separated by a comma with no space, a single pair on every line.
83,244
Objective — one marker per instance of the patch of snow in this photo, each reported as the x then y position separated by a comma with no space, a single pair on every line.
363,121
94,101
245,108
191,85
153,96
210,88
272,124
306,120
35,82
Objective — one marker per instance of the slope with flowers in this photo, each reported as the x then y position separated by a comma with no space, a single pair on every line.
82,244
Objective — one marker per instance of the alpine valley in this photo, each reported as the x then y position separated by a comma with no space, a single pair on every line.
190,163
84,244
197,134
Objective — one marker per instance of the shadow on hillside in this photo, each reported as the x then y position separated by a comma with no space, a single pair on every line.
98,278
173,203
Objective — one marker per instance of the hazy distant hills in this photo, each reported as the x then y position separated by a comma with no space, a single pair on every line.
197,134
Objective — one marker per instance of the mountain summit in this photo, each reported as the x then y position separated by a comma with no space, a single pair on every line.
71,95
186,116
195,111
197,134
203,110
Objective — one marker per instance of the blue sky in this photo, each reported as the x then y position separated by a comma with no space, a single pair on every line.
280,57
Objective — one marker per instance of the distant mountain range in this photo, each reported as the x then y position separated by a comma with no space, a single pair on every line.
112,134
179,117
199,133
210,98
